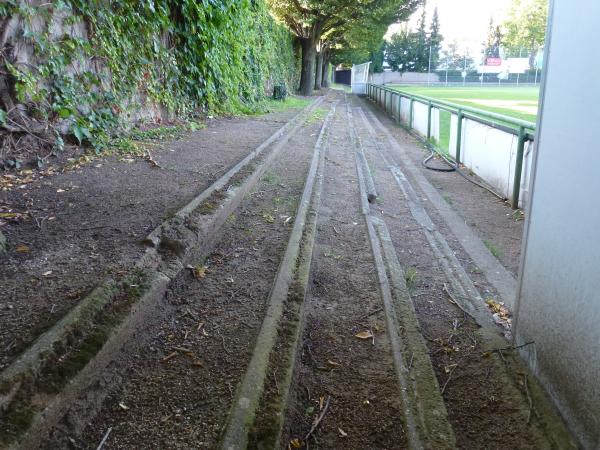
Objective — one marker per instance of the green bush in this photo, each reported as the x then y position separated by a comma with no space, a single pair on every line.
186,56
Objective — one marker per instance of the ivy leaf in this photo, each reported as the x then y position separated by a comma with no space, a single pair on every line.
80,132
64,113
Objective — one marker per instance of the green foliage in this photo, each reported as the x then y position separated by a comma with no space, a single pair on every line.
493,40
357,26
434,40
525,27
414,51
184,56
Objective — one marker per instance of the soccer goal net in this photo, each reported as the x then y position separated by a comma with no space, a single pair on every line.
360,77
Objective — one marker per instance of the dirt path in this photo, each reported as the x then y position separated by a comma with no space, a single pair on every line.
88,224
336,309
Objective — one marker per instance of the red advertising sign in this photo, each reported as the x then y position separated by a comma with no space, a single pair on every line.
493,61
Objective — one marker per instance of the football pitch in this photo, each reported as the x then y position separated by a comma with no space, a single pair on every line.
519,102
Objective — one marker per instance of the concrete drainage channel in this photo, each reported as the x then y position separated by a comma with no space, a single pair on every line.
68,357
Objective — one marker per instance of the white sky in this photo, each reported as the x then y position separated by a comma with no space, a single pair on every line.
465,21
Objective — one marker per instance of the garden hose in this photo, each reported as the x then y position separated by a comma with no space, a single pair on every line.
454,168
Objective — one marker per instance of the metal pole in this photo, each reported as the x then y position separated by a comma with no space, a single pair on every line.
518,168
465,70
429,68
459,117
410,113
399,108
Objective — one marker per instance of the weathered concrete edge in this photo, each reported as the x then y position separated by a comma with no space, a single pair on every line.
551,421
424,409
107,290
303,277
52,414
33,358
502,280
3,243
294,123
196,244
250,389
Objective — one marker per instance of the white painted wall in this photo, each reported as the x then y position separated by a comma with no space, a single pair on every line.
558,304
491,154
403,78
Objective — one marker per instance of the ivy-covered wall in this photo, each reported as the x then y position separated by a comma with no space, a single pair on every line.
91,68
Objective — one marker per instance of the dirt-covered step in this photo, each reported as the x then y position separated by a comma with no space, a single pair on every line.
66,236
173,384
490,397
44,381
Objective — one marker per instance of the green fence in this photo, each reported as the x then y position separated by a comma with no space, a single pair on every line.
391,101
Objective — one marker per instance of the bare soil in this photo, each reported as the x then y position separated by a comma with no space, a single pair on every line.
182,401
81,226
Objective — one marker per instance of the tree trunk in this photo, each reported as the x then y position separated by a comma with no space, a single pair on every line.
307,75
325,71
319,70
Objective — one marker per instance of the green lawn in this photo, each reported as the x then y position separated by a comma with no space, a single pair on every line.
518,102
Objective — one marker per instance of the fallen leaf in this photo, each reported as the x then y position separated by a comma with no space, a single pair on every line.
332,363
45,274
123,406
449,368
60,190
364,335
169,356
22,249
342,432
295,443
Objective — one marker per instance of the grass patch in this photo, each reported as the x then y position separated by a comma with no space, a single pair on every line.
448,199
479,97
493,249
317,115
135,142
271,177
270,105
410,276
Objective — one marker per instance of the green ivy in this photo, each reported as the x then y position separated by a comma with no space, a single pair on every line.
188,56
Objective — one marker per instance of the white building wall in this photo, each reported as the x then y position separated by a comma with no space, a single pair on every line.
558,305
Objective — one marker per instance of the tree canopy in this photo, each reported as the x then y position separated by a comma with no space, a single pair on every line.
336,22
415,51
525,27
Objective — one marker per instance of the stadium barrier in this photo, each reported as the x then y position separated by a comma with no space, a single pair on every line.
495,147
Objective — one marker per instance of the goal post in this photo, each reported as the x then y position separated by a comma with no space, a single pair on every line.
359,78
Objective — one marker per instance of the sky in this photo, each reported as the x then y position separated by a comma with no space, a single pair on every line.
465,21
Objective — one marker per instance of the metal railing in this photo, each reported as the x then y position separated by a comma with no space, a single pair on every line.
390,99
